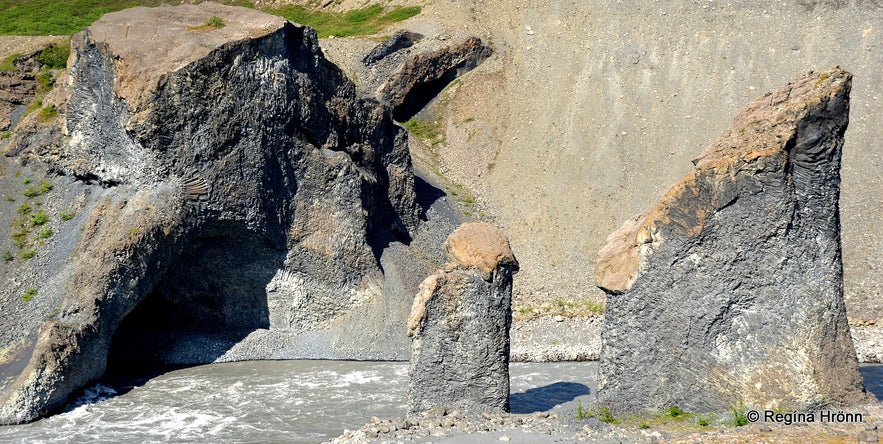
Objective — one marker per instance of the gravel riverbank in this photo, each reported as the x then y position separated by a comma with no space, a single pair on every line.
561,338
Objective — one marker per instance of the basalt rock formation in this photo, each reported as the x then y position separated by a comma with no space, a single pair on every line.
18,88
405,76
235,199
460,323
730,290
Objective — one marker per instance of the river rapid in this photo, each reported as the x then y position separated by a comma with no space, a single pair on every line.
285,401
273,401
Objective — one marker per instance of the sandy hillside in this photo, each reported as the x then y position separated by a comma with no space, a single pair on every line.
589,111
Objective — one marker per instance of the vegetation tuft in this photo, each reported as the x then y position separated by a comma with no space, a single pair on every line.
215,22
582,413
39,218
740,417
29,294
8,63
673,411
55,56
605,415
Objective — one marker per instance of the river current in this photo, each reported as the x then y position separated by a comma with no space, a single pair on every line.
284,401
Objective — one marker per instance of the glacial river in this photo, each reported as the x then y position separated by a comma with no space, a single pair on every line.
284,401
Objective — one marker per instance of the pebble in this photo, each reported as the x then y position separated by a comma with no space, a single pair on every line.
505,438
867,436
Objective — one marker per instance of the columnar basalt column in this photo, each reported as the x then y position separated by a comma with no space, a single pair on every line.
460,323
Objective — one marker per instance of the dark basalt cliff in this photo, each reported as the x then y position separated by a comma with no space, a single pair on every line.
235,201
730,290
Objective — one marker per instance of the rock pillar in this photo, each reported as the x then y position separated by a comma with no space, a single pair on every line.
460,323
730,290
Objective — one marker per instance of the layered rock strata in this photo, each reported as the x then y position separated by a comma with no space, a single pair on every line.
460,323
239,198
730,290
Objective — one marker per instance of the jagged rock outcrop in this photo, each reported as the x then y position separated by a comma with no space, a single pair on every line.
460,323
730,290
422,76
407,71
400,40
18,88
237,198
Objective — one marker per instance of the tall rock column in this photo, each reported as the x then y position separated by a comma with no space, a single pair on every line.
730,290
460,323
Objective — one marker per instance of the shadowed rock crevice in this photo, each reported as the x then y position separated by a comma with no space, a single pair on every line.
213,296
405,73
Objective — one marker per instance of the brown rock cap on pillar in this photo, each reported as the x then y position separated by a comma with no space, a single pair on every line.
460,323
730,290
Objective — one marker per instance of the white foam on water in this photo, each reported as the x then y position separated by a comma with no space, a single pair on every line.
360,377
92,395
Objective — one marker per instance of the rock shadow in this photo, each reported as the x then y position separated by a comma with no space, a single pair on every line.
427,193
873,379
545,398
211,298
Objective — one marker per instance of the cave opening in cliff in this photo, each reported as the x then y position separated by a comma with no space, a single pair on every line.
421,94
211,297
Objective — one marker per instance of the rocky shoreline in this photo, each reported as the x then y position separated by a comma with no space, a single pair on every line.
440,425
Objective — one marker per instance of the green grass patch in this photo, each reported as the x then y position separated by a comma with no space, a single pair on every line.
605,415
740,413
582,413
29,294
45,233
28,254
5,134
66,216
7,63
24,208
7,256
55,56
399,14
368,20
39,218
45,81
673,411
48,113
38,190
65,17
215,22
57,17
428,131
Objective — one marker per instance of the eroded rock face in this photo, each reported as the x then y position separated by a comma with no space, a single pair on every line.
460,323
730,290
421,76
246,194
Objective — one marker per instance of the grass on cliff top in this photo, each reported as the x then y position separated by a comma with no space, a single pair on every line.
368,20
64,17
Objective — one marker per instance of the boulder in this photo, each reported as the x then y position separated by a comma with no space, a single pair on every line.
400,40
730,289
460,323
235,197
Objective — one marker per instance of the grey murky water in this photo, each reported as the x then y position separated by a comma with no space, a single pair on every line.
286,401
275,401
